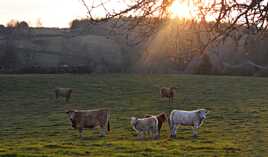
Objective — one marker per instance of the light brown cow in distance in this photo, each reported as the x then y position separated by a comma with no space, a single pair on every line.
168,93
63,92
82,119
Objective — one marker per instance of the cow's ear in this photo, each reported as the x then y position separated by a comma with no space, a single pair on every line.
68,111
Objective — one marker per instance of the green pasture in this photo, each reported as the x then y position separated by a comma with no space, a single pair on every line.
34,124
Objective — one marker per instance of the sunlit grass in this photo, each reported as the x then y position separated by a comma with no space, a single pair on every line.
33,123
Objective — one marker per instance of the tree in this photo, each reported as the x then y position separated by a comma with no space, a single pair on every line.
16,24
218,16
22,25
12,23
74,24
212,24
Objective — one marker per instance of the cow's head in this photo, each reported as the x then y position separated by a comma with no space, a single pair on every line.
70,90
71,114
162,117
203,113
133,121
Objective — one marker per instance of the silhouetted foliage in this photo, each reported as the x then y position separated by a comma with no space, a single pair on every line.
226,15
75,24
22,25
2,27
80,24
17,24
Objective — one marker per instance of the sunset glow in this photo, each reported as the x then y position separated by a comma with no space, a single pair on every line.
49,13
182,9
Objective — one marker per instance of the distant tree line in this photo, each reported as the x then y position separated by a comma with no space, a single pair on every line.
179,54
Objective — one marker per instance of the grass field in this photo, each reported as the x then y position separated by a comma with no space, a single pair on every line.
33,123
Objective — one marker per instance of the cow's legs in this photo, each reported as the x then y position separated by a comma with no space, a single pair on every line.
103,131
173,131
156,133
159,126
140,135
194,132
149,133
195,127
152,133
80,133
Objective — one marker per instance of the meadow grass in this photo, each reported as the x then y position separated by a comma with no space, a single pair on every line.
34,124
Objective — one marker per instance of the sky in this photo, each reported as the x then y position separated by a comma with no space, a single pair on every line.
51,13
59,13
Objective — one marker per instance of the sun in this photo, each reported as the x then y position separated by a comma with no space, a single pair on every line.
182,9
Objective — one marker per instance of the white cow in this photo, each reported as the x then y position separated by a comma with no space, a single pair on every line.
143,125
187,118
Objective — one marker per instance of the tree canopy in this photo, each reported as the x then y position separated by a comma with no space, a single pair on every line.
252,14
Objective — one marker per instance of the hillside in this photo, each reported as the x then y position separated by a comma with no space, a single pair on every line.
172,48
48,48
34,124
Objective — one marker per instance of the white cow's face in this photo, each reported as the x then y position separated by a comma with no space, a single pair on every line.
133,120
203,113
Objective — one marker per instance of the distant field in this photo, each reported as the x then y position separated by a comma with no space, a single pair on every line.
33,123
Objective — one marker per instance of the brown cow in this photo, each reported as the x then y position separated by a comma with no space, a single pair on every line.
168,92
63,92
162,117
82,119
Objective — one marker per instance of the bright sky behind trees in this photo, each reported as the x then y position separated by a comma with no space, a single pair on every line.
59,13
51,13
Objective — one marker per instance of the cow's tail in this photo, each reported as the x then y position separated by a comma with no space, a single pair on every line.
108,122
169,123
108,127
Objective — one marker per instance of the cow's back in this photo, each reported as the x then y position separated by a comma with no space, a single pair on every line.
146,123
183,117
92,118
63,91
